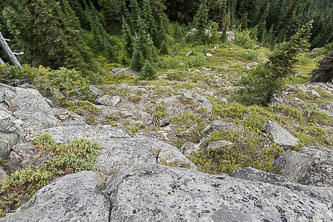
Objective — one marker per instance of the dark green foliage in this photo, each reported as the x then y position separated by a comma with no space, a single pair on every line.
267,79
164,48
128,38
201,21
325,71
147,72
49,34
20,186
143,49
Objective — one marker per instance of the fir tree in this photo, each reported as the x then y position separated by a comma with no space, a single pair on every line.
270,78
49,34
147,72
201,21
324,73
143,49
128,38
164,48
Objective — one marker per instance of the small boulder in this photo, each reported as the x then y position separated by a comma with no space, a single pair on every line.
188,148
310,166
108,100
7,141
209,54
313,93
280,135
220,145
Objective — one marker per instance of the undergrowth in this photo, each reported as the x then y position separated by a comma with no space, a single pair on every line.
20,186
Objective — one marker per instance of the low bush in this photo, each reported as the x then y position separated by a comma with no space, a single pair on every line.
79,155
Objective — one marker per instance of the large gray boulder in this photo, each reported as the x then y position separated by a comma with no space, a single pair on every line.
72,198
159,193
33,110
310,166
280,135
119,153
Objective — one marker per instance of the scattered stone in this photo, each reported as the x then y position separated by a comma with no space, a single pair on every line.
69,118
6,143
126,114
3,175
125,71
224,100
251,65
203,102
219,125
313,92
188,148
74,197
108,100
95,91
280,135
220,145
158,193
205,69
189,53
230,36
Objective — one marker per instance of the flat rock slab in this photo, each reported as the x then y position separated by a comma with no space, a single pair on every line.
280,135
159,193
118,153
97,133
72,198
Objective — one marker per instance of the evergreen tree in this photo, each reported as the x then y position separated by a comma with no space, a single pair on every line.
201,21
137,57
143,49
270,78
164,48
324,73
128,38
283,26
148,72
48,33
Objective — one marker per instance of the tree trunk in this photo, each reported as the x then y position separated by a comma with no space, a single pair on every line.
8,51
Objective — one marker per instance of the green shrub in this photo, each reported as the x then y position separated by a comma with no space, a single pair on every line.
268,79
244,39
169,62
61,84
79,155
196,61
249,150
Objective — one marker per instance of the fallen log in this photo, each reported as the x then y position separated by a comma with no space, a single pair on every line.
8,51
1,61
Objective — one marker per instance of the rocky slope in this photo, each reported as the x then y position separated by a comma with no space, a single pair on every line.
141,178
